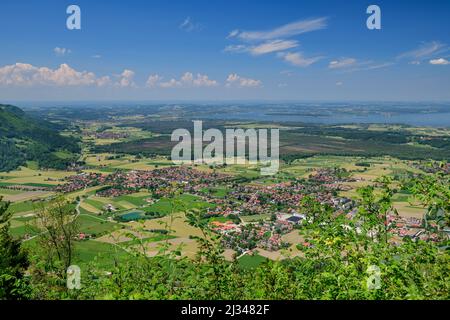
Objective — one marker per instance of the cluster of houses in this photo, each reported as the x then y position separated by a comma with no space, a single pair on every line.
265,235
331,176
81,181
286,196
114,192
158,180
412,228
261,234
281,201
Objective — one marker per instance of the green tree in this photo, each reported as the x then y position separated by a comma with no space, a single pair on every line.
13,260
57,222
433,192
374,209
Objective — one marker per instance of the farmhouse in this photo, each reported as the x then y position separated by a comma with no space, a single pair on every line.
294,219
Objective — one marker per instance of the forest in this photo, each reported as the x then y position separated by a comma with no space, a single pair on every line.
24,138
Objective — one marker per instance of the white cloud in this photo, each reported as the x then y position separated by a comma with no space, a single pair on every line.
125,79
274,41
440,61
379,66
188,25
273,46
342,63
23,74
297,59
352,65
233,34
186,80
172,83
282,85
61,51
288,30
96,56
103,81
153,80
263,48
339,83
234,80
236,48
200,80
426,50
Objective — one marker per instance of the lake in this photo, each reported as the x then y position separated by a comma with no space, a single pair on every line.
413,119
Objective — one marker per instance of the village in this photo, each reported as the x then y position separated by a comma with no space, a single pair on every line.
248,215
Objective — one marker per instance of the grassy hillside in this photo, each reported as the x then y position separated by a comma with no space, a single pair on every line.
23,138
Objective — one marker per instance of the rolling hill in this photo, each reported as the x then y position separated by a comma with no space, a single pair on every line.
24,138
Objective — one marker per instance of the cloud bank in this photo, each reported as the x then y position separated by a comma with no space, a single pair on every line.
23,74
287,30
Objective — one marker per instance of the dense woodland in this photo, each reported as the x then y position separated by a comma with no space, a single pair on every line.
23,138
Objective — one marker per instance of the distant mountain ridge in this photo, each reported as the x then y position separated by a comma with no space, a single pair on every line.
24,138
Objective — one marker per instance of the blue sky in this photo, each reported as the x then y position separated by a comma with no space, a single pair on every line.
225,50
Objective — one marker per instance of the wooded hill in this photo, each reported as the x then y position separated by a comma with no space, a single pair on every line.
24,138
